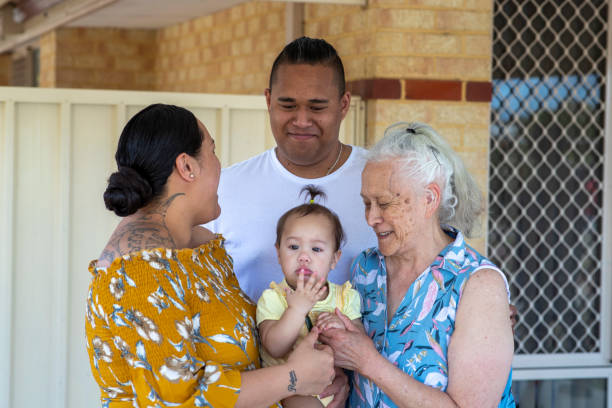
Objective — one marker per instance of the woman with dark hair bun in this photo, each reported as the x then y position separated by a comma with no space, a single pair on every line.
166,321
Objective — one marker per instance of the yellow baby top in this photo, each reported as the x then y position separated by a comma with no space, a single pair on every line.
170,328
273,303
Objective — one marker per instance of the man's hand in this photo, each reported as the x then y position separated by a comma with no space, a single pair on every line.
338,388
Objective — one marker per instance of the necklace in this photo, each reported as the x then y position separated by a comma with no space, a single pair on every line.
336,162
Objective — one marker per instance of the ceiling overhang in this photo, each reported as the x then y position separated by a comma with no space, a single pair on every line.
152,14
47,15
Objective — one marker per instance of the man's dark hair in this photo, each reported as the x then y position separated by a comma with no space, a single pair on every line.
313,51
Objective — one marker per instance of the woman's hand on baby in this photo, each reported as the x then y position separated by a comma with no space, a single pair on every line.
306,293
312,365
327,321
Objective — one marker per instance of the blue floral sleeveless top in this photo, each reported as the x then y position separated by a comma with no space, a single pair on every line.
429,306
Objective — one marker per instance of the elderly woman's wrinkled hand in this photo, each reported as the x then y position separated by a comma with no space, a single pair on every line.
352,347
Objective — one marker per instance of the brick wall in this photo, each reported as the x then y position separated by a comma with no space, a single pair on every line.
227,52
418,60
105,58
423,60
5,69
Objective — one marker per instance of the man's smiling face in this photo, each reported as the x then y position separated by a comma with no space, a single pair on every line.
306,109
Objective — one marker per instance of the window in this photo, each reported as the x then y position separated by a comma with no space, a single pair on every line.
547,169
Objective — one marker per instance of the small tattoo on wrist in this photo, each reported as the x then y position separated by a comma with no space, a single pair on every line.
292,381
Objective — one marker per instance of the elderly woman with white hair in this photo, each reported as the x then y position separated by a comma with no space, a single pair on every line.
435,311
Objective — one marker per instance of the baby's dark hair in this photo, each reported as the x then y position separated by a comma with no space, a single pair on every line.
311,207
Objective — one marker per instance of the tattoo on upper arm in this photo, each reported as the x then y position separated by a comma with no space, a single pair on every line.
292,381
107,256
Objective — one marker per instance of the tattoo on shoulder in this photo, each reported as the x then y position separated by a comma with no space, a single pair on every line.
292,381
138,235
146,232
108,256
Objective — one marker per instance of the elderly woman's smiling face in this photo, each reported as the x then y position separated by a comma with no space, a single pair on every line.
395,207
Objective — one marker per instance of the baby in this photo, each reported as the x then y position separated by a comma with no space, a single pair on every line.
308,240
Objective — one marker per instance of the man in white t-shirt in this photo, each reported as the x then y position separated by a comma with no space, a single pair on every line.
306,101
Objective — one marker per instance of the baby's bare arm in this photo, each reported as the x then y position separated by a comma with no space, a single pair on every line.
278,336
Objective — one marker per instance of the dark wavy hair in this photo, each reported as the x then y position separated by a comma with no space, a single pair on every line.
313,51
148,147
311,207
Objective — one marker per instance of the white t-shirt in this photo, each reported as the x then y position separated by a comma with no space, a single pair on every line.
253,194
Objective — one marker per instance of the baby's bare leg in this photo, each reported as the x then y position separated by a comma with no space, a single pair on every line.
302,401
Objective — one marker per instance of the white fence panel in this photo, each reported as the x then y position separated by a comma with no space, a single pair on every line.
57,150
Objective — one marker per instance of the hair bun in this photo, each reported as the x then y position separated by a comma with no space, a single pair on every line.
127,191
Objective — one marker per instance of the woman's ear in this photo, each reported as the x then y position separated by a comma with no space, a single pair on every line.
433,195
185,166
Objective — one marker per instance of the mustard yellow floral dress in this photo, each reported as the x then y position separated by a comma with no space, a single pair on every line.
170,328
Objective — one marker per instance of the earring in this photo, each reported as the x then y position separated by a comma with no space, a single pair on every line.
191,175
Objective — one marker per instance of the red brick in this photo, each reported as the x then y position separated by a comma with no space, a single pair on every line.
433,90
376,88
478,92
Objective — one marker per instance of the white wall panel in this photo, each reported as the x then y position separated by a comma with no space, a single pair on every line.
210,117
37,143
7,150
247,124
57,150
92,162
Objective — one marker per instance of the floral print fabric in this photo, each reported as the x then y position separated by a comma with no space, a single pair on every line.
417,338
170,328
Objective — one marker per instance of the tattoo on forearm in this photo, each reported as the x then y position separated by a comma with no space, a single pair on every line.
292,381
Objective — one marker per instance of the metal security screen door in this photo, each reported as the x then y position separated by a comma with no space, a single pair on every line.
546,221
